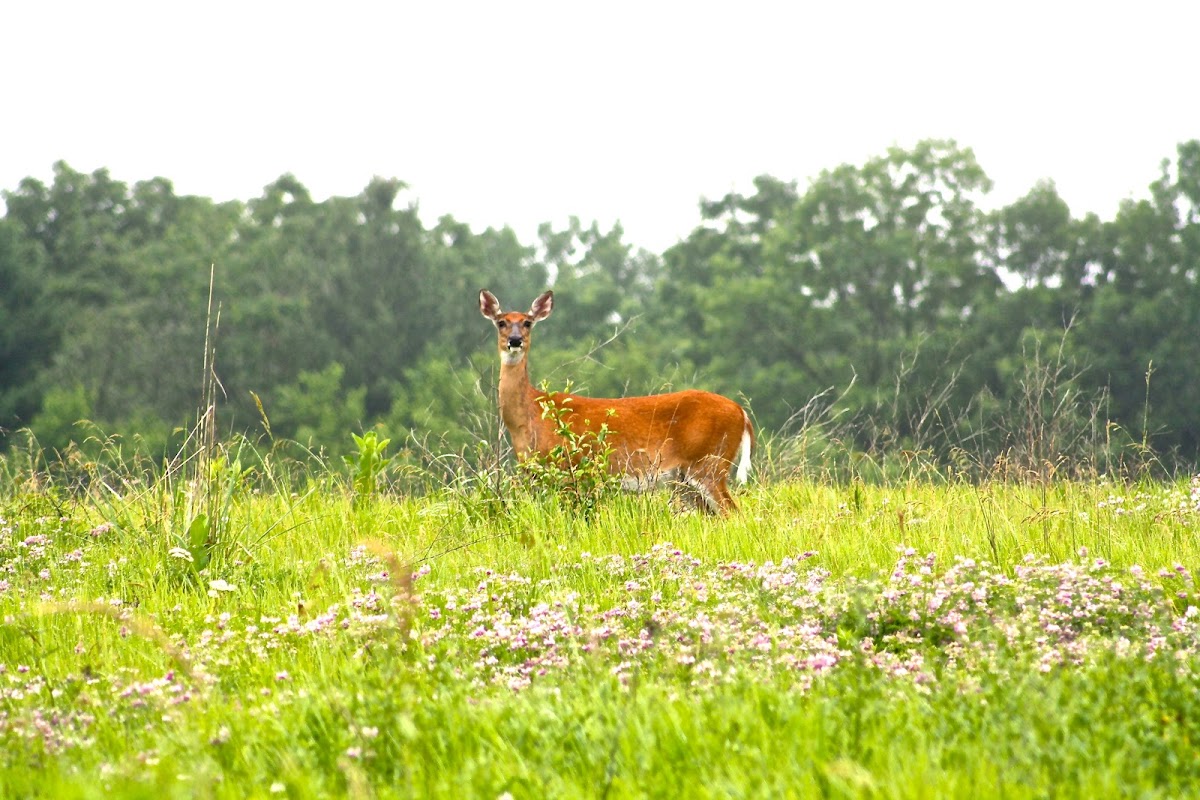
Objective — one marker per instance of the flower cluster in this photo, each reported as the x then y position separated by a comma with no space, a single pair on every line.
663,613
789,619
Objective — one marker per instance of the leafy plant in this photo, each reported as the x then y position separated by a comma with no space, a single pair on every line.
202,510
369,465
577,468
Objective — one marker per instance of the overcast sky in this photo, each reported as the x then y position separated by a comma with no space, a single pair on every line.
521,112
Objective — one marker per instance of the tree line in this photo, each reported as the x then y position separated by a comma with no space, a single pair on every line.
880,295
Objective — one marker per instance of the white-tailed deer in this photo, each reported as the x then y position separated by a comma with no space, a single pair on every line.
688,438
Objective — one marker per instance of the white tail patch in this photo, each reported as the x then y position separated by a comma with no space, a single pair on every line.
743,470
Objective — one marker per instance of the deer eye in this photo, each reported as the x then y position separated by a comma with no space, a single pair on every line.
528,324
502,324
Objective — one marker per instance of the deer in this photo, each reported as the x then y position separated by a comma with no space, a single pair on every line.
687,439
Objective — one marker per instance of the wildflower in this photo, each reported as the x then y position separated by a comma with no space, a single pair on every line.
220,585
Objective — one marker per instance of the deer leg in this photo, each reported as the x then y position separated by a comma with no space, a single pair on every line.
698,491
724,496
711,481
686,495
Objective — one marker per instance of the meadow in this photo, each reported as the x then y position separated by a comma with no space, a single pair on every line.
245,631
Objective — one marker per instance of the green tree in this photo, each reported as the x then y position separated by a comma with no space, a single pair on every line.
789,294
605,280
29,329
78,223
442,407
319,410
1146,310
126,274
465,262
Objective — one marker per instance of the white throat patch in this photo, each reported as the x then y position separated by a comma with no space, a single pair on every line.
511,358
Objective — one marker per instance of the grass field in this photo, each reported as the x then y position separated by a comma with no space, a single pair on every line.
249,636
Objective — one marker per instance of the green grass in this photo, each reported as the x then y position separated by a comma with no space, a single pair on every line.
909,640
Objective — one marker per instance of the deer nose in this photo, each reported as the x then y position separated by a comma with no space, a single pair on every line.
514,342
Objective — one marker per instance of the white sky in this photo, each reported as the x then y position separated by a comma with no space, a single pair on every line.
524,112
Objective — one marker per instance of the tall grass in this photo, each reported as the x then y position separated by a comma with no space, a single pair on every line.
920,636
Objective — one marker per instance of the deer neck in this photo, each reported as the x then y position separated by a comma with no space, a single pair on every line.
519,408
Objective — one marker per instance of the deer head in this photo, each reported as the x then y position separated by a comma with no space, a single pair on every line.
513,329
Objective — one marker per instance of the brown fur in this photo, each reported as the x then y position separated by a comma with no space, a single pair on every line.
690,436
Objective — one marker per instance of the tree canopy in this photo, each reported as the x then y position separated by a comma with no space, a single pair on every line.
885,285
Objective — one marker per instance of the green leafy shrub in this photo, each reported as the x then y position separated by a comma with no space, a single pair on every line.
577,468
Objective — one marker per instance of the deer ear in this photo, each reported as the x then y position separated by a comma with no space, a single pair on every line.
542,307
489,306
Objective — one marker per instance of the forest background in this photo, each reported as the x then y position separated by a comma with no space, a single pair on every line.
880,306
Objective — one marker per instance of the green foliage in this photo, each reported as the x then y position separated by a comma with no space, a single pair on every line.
368,465
29,328
201,507
442,406
882,284
196,539
602,280
63,407
318,409
576,469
